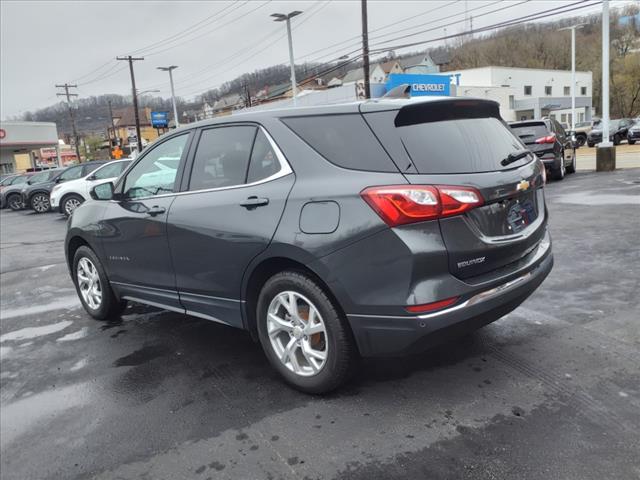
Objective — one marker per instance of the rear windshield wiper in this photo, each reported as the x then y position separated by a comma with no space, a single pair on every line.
514,157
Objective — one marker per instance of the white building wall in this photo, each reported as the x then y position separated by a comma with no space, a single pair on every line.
498,94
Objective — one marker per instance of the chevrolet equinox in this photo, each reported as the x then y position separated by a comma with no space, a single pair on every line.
328,233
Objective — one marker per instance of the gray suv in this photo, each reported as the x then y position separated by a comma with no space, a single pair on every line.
375,228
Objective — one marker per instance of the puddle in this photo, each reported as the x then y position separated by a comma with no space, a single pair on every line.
20,416
595,199
63,303
34,332
83,332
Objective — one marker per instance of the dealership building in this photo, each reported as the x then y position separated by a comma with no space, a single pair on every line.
527,93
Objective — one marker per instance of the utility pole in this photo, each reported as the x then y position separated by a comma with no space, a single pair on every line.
281,17
66,93
247,96
606,152
365,49
131,59
116,137
173,93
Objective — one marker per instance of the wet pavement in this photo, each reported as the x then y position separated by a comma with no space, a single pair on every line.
552,391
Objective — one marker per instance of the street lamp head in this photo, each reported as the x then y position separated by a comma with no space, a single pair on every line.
281,17
167,69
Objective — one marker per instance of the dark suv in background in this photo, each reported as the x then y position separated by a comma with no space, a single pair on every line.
617,132
378,228
550,142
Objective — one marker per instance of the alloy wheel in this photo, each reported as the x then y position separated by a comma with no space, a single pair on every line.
89,283
40,203
15,203
70,205
297,333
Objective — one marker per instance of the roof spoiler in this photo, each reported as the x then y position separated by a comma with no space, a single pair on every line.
449,109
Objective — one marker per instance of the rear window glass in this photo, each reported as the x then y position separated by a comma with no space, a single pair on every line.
463,145
344,140
530,131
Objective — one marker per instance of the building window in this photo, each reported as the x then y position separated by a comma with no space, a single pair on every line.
547,91
567,91
563,117
527,89
581,116
512,102
583,90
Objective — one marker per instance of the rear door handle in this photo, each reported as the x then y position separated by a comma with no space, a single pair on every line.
254,202
156,210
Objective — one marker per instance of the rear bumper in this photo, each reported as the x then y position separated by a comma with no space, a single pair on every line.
401,335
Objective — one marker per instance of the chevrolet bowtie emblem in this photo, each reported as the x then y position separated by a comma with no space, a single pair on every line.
522,186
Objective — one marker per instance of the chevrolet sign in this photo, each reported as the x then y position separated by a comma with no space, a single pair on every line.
421,85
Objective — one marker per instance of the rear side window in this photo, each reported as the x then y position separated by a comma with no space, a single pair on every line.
71,173
264,162
222,157
344,140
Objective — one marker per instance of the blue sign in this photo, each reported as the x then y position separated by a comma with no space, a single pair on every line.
160,119
421,85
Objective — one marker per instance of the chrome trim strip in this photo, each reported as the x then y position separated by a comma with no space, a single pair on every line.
207,317
154,304
211,297
143,287
285,169
478,298
176,292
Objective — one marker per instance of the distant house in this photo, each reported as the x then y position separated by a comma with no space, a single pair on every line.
425,63
224,105
334,82
392,66
376,75
124,120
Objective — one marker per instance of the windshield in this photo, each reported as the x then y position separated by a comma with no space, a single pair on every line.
42,176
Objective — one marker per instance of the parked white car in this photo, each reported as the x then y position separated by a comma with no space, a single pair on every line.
67,196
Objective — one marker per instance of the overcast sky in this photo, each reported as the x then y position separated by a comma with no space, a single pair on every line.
49,42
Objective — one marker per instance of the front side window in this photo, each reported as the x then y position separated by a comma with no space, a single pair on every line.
156,172
222,157
39,177
527,89
71,174
110,171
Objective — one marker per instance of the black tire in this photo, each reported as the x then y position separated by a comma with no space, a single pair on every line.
66,204
581,140
342,354
14,202
110,306
616,139
39,202
631,142
590,144
558,173
571,168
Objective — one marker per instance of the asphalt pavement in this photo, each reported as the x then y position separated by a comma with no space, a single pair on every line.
551,391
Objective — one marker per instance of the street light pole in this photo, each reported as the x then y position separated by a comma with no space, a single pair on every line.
281,17
573,73
606,152
173,93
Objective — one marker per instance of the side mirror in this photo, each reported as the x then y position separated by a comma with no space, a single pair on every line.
104,191
91,177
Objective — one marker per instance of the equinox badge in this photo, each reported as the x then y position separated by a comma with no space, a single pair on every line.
522,186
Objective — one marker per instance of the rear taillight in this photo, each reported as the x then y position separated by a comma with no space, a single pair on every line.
548,139
403,204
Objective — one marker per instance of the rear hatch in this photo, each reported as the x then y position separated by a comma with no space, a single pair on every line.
462,142
536,136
